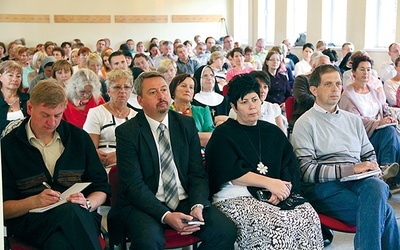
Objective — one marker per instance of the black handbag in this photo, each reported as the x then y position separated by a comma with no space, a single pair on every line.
288,204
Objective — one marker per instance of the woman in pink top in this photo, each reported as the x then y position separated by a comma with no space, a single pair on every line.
239,68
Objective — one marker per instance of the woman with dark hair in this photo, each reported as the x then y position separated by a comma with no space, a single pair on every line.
255,179
182,91
270,112
370,104
153,53
280,87
332,54
13,101
239,66
2,51
62,72
304,65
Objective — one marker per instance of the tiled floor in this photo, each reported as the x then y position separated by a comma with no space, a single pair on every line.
344,241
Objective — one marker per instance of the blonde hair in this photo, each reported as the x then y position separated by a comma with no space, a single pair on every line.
116,73
38,57
48,92
215,55
94,57
165,65
70,55
11,66
79,80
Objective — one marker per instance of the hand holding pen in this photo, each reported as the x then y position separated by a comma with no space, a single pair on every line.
49,196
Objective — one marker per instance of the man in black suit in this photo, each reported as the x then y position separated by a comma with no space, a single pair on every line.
144,208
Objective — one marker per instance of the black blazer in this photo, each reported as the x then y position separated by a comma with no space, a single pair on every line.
139,171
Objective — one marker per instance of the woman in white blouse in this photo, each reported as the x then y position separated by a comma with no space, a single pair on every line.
102,120
304,66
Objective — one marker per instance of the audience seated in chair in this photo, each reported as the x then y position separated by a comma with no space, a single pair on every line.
386,69
83,91
247,156
391,86
207,94
363,100
163,180
304,99
270,112
182,90
327,152
102,120
13,101
50,148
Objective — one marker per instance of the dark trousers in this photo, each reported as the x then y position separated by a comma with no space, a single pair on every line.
147,233
68,226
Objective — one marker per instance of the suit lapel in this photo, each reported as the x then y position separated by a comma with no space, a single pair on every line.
176,137
148,136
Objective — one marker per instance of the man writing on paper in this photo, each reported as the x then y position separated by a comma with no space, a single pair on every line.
163,181
331,143
44,148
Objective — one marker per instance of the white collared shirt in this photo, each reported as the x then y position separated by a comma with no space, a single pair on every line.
322,110
154,129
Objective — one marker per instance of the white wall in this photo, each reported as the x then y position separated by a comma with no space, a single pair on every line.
89,33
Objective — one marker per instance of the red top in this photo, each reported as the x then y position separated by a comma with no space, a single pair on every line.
76,116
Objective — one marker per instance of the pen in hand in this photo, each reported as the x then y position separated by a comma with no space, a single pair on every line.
48,186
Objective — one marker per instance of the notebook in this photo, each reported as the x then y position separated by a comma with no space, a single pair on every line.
76,188
386,125
355,177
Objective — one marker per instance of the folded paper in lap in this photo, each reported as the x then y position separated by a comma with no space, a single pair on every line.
355,177
386,125
76,188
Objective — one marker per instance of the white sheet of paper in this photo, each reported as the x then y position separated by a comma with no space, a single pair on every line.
76,188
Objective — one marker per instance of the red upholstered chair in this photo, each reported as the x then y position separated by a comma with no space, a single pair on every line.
336,225
289,107
328,224
225,90
172,238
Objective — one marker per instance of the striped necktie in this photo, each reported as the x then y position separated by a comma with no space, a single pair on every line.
167,170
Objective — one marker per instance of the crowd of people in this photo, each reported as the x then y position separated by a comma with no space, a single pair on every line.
199,131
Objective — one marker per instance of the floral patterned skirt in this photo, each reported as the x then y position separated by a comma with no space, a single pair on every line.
264,226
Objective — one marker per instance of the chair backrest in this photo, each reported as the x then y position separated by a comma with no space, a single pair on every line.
113,179
289,106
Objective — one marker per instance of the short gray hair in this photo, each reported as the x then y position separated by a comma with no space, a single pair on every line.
138,84
79,80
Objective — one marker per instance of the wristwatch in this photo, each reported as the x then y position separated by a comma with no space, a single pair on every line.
88,205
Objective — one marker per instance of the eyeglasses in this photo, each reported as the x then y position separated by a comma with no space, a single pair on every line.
208,76
83,92
119,88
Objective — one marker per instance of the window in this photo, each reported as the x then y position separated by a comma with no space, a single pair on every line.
334,18
296,18
241,22
266,13
380,23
